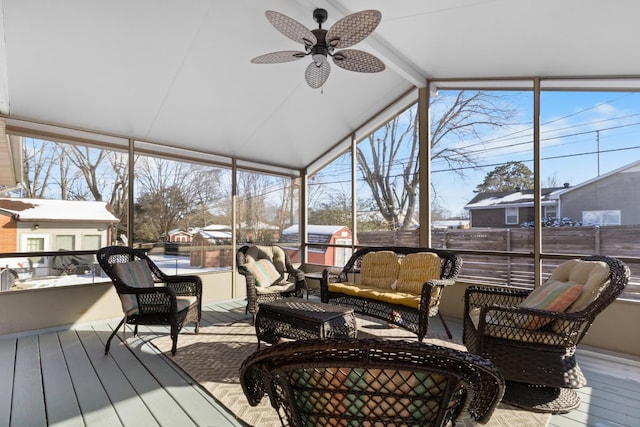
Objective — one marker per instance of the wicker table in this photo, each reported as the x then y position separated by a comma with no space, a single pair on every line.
295,318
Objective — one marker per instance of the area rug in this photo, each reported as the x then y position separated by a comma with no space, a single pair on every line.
213,357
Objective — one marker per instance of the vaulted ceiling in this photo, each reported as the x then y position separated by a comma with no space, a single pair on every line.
177,72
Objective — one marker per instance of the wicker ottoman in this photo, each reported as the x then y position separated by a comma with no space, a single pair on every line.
299,319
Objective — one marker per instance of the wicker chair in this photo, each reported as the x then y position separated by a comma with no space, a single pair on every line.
148,296
539,363
289,281
349,381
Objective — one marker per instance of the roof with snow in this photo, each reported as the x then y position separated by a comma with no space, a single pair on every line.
513,198
57,210
315,229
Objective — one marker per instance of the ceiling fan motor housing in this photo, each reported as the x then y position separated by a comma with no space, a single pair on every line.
320,16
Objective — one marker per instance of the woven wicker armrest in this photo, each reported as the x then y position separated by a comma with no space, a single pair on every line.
434,288
480,296
333,275
158,299
185,285
297,275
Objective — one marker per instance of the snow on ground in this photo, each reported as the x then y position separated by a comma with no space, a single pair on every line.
171,265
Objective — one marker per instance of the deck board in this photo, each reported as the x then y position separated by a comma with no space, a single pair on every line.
92,397
60,397
127,403
27,406
7,365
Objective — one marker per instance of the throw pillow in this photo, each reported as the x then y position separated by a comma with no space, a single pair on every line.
264,272
379,269
416,270
552,296
135,274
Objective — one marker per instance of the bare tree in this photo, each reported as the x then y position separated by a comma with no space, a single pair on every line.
388,160
165,195
39,161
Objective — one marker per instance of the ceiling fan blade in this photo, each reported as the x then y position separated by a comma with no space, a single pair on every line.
277,57
353,28
317,74
291,28
358,60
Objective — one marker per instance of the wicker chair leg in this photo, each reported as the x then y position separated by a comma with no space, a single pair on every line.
446,328
115,331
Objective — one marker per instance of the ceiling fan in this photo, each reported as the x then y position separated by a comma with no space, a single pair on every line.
321,44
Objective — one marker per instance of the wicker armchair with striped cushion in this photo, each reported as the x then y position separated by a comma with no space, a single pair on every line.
349,381
149,296
532,336
269,275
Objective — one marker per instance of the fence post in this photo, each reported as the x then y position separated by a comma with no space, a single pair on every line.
597,239
508,237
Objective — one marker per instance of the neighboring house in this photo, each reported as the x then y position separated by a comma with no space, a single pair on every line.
506,209
36,225
610,199
180,236
29,225
319,234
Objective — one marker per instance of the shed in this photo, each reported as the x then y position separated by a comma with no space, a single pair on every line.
319,234
211,248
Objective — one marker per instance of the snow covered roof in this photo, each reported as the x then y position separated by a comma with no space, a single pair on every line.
315,229
511,198
56,210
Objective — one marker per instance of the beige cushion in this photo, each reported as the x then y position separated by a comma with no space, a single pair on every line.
416,270
277,289
593,275
379,269
275,254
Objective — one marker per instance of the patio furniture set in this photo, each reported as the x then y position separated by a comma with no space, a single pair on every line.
521,343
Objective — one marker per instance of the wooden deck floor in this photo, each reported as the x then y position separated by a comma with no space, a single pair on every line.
62,378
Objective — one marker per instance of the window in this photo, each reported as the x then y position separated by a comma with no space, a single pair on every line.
91,242
65,242
550,211
601,218
330,216
35,244
178,196
511,216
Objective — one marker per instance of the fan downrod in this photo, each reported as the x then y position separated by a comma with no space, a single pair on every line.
320,16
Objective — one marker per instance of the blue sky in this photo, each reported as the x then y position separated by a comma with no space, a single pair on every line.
581,133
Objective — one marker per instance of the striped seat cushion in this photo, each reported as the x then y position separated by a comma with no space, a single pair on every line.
135,274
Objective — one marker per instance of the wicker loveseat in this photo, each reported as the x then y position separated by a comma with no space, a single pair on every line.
371,382
534,347
402,285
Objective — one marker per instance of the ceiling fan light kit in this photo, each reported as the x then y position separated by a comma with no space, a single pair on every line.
321,44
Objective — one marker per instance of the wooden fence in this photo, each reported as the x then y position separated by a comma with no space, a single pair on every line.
618,241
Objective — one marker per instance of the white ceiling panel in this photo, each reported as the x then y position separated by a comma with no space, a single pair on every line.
178,73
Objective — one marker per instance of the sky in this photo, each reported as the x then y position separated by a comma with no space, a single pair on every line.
582,135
